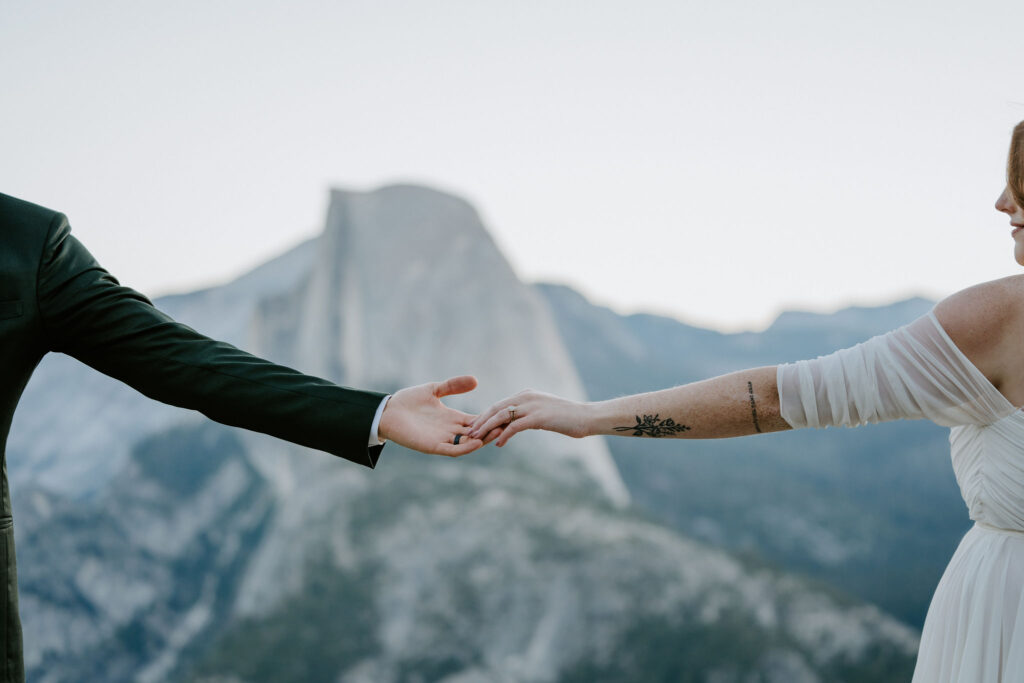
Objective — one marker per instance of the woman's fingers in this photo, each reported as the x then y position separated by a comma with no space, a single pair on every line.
485,416
500,409
517,426
492,435
528,410
496,416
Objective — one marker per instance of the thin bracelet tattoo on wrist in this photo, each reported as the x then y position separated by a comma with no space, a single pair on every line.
649,425
753,406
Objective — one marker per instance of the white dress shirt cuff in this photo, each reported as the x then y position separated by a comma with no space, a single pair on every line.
375,439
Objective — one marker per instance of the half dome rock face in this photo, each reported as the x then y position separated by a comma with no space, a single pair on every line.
408,287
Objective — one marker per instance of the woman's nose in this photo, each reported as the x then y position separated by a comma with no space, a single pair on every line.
1003,203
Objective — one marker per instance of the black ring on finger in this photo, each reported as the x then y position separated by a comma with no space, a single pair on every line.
457,437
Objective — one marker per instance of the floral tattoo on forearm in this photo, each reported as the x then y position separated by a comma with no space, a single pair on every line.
651,426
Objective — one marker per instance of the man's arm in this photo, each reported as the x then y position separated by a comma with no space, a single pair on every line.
87,314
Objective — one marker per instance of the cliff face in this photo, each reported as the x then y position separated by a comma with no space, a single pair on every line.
408,287
207,554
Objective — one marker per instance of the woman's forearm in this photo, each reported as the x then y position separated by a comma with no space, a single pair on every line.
737,404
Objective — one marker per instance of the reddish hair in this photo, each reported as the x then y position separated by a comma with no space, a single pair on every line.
1015,165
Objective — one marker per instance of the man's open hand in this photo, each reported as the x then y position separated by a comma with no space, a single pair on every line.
415,418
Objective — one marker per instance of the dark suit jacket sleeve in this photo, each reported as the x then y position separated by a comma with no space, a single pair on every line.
87,314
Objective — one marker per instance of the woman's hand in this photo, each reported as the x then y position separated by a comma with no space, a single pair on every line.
530,410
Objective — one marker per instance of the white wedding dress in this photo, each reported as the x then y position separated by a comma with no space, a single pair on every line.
974,631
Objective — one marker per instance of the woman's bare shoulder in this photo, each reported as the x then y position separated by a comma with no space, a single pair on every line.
983,307
986,322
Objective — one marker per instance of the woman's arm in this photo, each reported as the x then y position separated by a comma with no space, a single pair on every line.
737,404
961,365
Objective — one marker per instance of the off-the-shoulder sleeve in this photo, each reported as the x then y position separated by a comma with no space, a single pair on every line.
913,372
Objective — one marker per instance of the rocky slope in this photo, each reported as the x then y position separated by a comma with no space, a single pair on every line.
192,566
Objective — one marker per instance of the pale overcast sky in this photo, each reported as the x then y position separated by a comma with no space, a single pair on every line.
716,161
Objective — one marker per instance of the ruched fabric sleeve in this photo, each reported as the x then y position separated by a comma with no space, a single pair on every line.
913,372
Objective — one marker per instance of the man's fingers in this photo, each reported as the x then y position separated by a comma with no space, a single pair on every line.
465,445
455,385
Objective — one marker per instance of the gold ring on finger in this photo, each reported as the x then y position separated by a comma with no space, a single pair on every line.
511,413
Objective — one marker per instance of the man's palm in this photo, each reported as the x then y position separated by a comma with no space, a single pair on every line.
416,418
